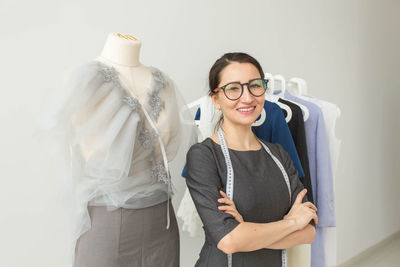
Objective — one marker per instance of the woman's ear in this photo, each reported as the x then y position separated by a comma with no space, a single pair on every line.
215,101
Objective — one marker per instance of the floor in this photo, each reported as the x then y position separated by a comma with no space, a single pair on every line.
386,256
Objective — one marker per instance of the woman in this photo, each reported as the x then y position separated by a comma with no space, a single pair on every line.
265,217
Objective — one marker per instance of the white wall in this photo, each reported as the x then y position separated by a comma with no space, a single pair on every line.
346,50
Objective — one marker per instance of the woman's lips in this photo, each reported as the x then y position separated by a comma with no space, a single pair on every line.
247,109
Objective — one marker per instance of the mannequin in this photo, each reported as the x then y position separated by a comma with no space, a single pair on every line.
128,214
116,125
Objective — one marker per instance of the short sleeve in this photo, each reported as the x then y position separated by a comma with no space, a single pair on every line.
203,181
295,184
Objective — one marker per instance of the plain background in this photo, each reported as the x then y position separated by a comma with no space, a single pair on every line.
347,51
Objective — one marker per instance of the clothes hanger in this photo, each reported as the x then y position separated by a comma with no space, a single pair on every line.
281,79
298,83
285,107
269,94
271,84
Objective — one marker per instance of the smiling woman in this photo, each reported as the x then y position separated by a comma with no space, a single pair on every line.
239,106
270,211
233,90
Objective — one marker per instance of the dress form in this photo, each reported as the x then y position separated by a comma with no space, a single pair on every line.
105,122
123,54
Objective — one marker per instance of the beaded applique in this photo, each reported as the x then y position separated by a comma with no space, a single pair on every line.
155,102
109,73
133,103
146,138
158,172
161,82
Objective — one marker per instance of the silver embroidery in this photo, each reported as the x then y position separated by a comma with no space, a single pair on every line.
155,101
146,137
158,172
109,73
133,103
160,80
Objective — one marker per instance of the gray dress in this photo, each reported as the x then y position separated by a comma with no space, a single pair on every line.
260,195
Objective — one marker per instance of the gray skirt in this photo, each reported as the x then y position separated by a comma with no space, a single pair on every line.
129,238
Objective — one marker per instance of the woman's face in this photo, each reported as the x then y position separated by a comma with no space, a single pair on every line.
246,109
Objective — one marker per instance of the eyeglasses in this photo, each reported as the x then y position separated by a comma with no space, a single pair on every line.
234,90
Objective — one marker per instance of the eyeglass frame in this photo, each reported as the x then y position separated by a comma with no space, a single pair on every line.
242,86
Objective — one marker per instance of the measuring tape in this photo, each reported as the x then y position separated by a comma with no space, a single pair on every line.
230,181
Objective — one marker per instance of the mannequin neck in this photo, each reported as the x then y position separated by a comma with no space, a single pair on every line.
121,51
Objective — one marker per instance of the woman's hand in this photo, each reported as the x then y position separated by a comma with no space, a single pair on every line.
230,207
302,213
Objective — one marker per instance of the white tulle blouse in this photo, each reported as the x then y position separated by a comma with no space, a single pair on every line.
117,146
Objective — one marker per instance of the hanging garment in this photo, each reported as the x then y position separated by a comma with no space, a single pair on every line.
331,113
296,127
115,146
273,128
321,176
300,255
186,210
263,198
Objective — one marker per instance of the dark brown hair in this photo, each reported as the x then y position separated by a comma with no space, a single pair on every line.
214,77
